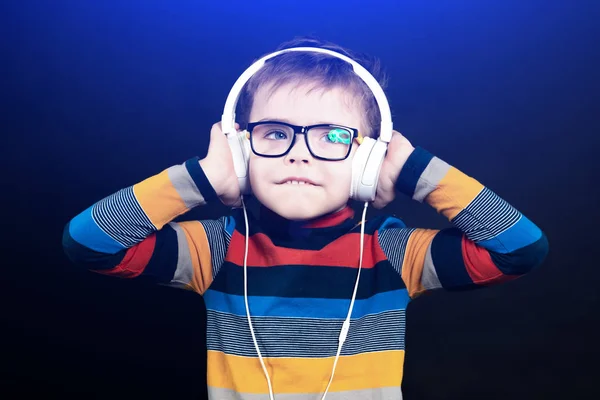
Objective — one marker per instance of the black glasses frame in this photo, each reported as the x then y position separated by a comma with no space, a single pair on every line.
301,129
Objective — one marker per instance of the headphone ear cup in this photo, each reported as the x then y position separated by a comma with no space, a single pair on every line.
240,152
358,165
366,166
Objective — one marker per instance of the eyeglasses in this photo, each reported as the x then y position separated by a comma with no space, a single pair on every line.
328,142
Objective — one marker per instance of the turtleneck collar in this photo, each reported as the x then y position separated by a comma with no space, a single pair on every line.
282,227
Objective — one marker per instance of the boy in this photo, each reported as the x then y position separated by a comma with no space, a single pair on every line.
299,269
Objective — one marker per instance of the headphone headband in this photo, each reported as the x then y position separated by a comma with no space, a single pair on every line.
228,118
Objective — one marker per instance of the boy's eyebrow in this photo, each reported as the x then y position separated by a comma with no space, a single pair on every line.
290,122
275,119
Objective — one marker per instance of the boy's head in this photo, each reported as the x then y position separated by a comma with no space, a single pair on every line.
301,88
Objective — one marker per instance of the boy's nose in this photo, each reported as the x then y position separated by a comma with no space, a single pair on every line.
299,152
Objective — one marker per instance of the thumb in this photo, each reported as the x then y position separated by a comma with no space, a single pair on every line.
217,134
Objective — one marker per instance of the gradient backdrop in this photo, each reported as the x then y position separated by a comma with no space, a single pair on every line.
98,94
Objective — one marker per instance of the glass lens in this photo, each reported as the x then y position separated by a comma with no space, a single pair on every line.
271,139
330,142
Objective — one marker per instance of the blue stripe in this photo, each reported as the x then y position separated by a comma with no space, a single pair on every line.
391,222
522,260
412,170
84,230
229,225
305,307
521,234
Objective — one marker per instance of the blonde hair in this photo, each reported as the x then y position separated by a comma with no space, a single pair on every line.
322,71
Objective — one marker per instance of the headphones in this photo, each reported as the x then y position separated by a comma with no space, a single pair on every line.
369,157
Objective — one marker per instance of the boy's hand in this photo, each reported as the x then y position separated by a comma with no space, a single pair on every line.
399,149
218,167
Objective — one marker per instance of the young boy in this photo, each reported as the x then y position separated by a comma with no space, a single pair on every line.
303,251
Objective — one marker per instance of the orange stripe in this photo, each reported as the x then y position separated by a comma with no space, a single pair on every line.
305,375
414,259
200,255
454,193
159,199
342,252
479,264
135,261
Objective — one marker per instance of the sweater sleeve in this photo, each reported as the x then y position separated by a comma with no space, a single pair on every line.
131,232
490,241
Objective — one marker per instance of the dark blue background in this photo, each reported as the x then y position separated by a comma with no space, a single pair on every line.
97,95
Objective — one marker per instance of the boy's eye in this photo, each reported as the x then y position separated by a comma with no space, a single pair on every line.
276,135
339,136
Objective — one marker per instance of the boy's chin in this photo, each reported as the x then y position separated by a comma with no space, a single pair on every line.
297,207
296,214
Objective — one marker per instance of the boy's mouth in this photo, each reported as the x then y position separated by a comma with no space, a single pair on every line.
293,180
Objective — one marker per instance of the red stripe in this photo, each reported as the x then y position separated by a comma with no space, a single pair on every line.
135,261
333,219
343,252
479,264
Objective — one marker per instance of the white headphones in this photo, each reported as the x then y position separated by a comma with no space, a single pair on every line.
369,157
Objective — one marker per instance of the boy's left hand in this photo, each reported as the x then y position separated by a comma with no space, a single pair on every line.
399,149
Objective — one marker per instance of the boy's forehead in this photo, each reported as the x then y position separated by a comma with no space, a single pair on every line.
306,104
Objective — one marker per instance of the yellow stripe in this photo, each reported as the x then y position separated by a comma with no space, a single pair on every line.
305,375
199,254
414,260
159,199
454,193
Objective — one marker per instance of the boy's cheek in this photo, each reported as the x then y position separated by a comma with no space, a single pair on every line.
254,171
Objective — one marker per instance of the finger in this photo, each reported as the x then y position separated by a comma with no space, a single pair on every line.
396,141
381,198
396,134
216,130
236,203
217,127
381,201
385,197
385,192
378,203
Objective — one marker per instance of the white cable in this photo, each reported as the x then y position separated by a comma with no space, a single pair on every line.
346,324
247,308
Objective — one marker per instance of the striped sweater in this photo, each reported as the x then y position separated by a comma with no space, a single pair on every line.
301,275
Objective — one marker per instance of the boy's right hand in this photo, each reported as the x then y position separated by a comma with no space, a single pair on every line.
218,167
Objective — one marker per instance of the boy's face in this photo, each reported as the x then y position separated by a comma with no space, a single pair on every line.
292,104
